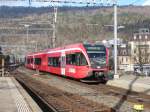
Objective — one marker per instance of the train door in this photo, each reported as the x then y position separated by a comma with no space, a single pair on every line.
33,62
63,63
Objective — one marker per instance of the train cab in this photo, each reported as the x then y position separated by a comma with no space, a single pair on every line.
98,58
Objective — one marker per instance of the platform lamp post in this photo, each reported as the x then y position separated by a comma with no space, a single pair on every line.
116,75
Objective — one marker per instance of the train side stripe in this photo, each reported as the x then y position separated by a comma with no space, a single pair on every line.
57,51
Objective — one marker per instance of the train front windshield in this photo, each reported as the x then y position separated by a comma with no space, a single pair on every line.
97,55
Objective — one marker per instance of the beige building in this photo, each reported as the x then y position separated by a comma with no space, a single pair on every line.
140,48
135,53
124,58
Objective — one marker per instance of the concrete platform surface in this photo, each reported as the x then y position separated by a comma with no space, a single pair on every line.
11,98
132,82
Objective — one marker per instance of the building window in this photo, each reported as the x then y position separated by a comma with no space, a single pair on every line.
119,62
126,59
134,37
124,52
134,51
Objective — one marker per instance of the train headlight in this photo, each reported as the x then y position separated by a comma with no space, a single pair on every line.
98,67
100,74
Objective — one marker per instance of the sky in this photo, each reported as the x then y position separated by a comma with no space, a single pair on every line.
38,4
147,2
134,2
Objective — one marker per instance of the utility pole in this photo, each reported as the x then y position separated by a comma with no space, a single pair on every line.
116,75
29,3
54,27
27,32
3,66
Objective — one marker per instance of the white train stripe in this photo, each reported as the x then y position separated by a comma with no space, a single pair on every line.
64,50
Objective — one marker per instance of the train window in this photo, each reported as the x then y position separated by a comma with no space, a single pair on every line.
28,60
76,59
71,59
54,61
37,61
68,59
81,60
50,61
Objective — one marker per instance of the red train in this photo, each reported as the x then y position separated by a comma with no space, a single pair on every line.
86,62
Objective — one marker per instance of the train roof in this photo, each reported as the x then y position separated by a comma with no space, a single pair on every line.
72,46
34,53
63,47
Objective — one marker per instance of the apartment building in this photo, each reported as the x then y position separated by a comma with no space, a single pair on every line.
125,61
136,53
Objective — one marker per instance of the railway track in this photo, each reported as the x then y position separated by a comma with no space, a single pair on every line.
101,89
59,100
45,107
126,95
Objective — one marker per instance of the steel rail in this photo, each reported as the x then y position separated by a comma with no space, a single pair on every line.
51,108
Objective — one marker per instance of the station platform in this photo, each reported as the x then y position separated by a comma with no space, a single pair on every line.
13,98
132,82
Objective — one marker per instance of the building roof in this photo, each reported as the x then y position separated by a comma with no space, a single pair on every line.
141,37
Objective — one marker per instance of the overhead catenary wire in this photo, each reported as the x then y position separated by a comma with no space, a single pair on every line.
61,3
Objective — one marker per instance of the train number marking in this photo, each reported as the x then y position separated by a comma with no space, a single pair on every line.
72,70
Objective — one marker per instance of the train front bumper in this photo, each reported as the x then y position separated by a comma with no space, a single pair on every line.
96,76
